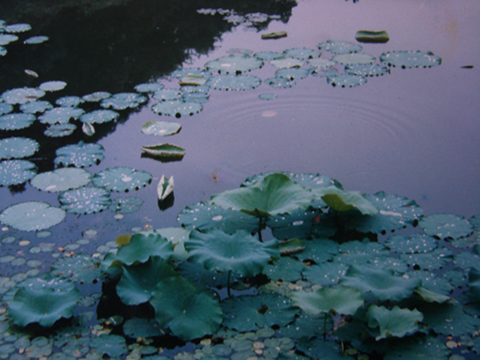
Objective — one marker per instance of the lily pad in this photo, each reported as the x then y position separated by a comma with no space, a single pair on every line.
60,115
36,39
5,108
6,39
164,152
285,269
69,101
321,64
346,80
366,69
446,226
286,63
177,108
417,243
126,205
79,155
148,87
279,82
160,128
97,96
302,53
167,94
99,116
326,274
368,36
22,95
410,59
52,85
17,28
142,328
122,179
17,148
36,107
268,55
78,268
234,64
61,179
60,130
15,172
340,47
112,345
182,72
123,101
86,200
292,73
234,82
16,121
32,216
351,59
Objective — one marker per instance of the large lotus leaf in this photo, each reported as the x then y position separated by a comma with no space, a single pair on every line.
342,201
234,82
61,179
409,59
141,328
430,296
99,116
32,216
196,273
69,101
340,47
302,53
395,322
319,250
195,94
177,108
86,200
126,205
364,247
203,217
308,180
446,226
16,121
275,194
34,107
351,59
122,179
79,155
292,73
346,80
419,348
52,85
279,82
160,128
234,64
60,130
412,244
240,253
60,115
17,147
250,313
177,236
15,172
123,101
285,269
78,268
285,63
138,282
189,313
112,345
142,246
148,87
43,305
338,300
433,282
22,95
381,284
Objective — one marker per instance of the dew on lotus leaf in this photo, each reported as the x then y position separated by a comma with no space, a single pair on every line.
16,121
367,69
234,64
52,85
79,155
292,73
350,59
122,179
286,63
17,148
97,96
410,59
32,216
60,115
22,95
86,200
126,205
268,55
36,40
6,39
61,179
69,101
148,87
99,116
17,28
60,130
321,64
15,172
267,96
36,107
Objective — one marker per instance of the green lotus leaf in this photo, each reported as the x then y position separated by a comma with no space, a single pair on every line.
342,201
141,247
142,328
78,268
430,296
17,28
285,269
268,55
275,194
412,244
60,115
16,121
32,216
97,96
177,108
123,101
319,250
177,236
36,40
22,95
6,108
122,179
279,82
395,322
52,85
292,73
43,305
321,64
302,53
187,312
446,226
79,155
69,101
172,95
305,325
59,130
160,128
410,59
285,63
234,64
164,152
17,147
6,39
326,73
338,300
15,172
126,205
112,345
366,69
197,94
437,284
240,253
250,313
36,107
419,348
148,87
352,59
368,36
234,82
381,284
138,282
61,179
99,116
340,47
86,200
3,51
346,80
203,278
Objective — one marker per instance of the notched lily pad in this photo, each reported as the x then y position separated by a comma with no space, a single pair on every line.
22,95
60,115
86,200
177,108
280,82
410,59
122,179
36,107
302,53
79,155
164,152
292,73
285,63
17,148
234,82
60,130
32,216
366,69
446,226
52,85
351,59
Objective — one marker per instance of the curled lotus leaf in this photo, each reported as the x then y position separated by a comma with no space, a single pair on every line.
410,59
343,201
302,53
36,39
17,148
60,130
234,82
79,155
366,69
195,80
15,172
86,200
97,96
32,216
122,101
22,95
165,187
34,107
177,236
369,36
160,128
279,82
240,252
16,121
234,64
446,226
52,85
340,47
61,179
346,80
396,322
60,115
148,87
177,108
293,73
351,59
122,179
99,116
142,246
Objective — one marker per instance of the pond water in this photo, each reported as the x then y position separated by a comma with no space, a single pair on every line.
412,132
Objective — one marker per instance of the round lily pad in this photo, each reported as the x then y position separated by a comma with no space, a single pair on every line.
122,179
52,85
340,47
16,121
446,226
161,128
32,216
177,108
418,243
17,148
60,130
285,63
36,107
61,179
182,72
234,64
79,268
123,101
234,82
346,80
167,94
99,116
60,115
36,39
22,95
79,155
410,59
366,69
268,55
86,200
15,172
321,64
351,59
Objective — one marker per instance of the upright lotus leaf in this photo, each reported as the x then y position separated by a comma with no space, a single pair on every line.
160,128
99,116
60,115
369,36
337,300
410,59
274,194
177,236
88,129
79,155
22,95
61,179
142,246
240,253
17,148
429,296
15,172
165,187
32,216
340,47
446,226
177,108
346,80
393,323
86,200
186,311
234,82
164,152
122,179
16,121
52,85
43,304
138,282
342,201
60,130
234,64
381,284
308,180
123,101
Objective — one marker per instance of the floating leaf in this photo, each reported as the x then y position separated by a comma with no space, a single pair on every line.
177,108
22,95
234,82
5,108
410,59
15,172
346,80
52,85
167,94
148,87
86,200
446,226
60,130
234,64
268,55
416,347
366,69
182,72
292,73
280,82
6,39
165,187
396,322
417,243
34,107
141,247
165,152
16,121
286,63
17,28
78,268
302,53
79,155
122,179
17,148
161,128
340,47
285,269
326,274
267,96
123,101
112,345
60,115
321,64
142,328
61,179
368,36
36,40
351,59
99,116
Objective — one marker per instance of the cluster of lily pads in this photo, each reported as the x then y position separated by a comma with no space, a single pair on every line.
338,273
